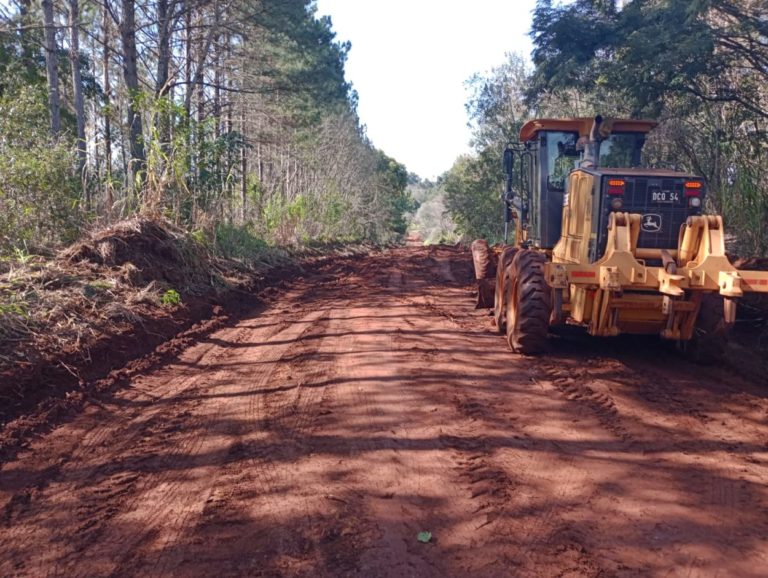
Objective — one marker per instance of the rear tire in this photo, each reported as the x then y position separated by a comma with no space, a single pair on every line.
499,296
482,259
528,303
485,271
710,335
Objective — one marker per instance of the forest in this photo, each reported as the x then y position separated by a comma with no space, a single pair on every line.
700,68
232,119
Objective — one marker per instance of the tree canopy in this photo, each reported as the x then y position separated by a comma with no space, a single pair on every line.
651,50
210,112
698,67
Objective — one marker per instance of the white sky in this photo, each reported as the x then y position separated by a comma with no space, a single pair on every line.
409,61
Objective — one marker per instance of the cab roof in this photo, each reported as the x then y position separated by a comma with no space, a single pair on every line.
582,125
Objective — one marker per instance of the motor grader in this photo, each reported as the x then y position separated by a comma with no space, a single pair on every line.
603,243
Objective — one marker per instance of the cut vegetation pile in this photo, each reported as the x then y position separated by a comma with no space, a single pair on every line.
105,300
141,251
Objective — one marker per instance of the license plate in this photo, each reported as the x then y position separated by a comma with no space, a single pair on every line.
665,197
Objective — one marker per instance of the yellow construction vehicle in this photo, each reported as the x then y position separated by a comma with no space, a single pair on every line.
603,243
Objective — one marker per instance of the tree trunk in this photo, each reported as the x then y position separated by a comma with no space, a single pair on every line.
77,84
188,60
244,170
163,47
164,31
27,40
217,72
188,86
205,48
131,78
105,23
202,49
52,67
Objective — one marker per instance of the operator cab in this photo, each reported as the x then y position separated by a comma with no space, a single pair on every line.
608,152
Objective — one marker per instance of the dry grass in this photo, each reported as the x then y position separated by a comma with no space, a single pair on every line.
113,278
56,305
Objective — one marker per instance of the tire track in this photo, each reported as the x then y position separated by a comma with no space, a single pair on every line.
279,418
102,511
507,485
128,437
364,408
161,521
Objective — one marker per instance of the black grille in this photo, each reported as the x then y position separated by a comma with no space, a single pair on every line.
661,202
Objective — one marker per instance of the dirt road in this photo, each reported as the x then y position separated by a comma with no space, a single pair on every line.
369,402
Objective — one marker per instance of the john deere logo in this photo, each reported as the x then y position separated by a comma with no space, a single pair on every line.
651,223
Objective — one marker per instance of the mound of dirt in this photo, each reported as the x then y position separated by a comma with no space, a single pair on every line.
73,318
145,250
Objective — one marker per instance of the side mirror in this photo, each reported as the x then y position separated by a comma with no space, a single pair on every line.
509,161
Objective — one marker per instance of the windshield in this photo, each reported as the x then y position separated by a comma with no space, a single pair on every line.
621,150
564,150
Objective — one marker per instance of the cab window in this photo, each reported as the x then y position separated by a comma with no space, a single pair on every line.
562,158
621,150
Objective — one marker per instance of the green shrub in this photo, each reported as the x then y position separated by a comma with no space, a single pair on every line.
236,242
170,298
39,195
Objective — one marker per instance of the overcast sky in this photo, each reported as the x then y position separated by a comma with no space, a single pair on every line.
409,62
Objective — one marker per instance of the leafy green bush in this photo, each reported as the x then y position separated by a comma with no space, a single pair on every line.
472,196
39,194
236,242
170,298
745,211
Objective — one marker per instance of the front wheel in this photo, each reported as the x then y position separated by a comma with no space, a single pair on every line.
499,296
528,303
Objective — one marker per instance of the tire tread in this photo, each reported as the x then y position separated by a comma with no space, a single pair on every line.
534,307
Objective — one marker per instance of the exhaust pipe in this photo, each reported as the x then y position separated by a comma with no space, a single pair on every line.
592,150
594,134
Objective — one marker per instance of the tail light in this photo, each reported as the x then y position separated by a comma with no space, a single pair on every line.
693,188
616,186
616,190
692,191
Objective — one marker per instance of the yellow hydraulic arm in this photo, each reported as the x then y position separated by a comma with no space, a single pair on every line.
698,265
